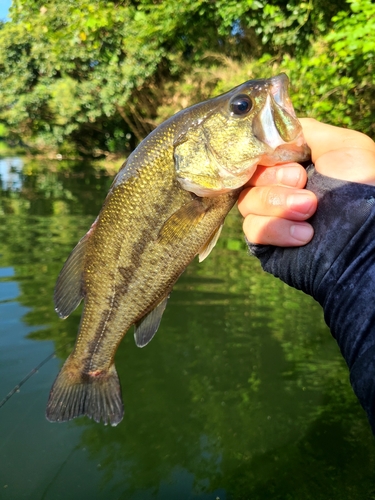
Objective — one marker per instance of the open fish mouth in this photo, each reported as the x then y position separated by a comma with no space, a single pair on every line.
276,123
279,90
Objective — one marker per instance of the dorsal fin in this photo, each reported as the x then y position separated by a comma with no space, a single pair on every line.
146,328
179,223
68,290
209,245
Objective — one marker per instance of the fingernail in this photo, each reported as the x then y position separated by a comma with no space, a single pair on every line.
301,232
289,176
300,202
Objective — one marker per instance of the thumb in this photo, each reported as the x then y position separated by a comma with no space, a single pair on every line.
349,164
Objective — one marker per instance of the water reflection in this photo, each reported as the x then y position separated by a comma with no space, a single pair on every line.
242,393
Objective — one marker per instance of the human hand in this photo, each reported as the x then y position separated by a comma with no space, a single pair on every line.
275,206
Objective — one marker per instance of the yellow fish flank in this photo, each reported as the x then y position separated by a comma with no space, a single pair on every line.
166,205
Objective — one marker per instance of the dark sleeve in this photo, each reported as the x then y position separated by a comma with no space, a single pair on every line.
338,269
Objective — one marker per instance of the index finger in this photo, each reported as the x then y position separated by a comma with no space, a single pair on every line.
288,174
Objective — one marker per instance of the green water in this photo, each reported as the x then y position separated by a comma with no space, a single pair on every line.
242,394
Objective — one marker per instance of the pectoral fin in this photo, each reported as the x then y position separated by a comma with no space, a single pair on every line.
69,286
207,248
146,328
182,221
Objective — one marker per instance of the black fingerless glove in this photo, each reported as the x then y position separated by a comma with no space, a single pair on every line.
338,269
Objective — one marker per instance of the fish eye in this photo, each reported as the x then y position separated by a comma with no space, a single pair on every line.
240,105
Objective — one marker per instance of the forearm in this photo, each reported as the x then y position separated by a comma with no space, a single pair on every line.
338,269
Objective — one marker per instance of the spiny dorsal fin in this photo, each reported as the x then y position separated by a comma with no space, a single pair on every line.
209,245
146,328
68,290
178,224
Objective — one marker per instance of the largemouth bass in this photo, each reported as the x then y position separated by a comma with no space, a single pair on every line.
166,205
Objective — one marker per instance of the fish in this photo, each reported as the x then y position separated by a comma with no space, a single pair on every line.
166,205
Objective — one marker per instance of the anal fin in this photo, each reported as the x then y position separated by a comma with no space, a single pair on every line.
146,328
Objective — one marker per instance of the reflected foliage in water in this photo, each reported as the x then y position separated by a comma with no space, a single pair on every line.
242,393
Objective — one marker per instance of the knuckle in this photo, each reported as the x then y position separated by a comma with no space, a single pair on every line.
272,198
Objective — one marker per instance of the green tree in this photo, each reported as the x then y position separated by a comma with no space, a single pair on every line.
332,80
91,74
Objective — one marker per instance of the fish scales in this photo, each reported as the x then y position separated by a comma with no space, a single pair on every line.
141,265
166,205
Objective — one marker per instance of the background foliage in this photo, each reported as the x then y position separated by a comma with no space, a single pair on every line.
95,77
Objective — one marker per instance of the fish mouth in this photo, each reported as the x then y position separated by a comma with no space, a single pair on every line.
276,124
279,91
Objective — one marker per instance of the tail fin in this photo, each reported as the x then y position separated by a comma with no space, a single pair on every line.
96,395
